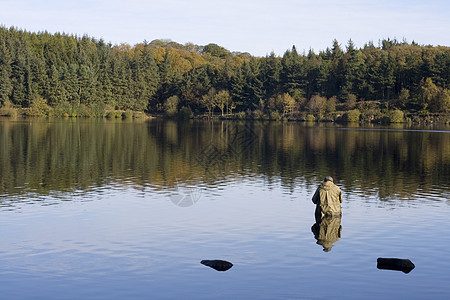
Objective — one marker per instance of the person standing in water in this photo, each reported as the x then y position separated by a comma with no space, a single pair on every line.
327,229
328,199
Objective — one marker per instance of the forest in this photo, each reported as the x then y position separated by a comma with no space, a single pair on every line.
44,74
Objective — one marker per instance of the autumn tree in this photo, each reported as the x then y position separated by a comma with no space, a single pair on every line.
402,99
171,106
208,101
330,105
429,93
350,101
222,100
316,105
288,104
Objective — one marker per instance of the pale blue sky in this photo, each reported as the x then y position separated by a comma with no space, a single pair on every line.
257,27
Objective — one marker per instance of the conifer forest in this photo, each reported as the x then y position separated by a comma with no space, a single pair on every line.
80,76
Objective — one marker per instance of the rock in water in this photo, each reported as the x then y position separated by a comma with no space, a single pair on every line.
217,264
396,264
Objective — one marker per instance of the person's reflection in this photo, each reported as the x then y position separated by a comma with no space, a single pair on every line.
327,230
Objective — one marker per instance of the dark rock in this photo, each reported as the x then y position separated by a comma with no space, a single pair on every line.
396,264
217,264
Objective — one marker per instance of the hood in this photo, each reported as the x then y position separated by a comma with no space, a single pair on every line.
327,185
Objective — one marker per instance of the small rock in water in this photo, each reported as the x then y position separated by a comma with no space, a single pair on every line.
396,264
217,264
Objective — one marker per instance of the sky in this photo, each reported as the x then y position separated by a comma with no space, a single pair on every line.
258,27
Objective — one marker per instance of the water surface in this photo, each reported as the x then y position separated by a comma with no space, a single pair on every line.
128,210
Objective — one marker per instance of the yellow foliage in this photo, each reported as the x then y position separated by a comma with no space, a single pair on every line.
39,108
158,53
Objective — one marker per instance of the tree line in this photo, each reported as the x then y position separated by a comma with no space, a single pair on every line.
62,74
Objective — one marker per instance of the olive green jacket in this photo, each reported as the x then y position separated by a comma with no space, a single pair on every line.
328,199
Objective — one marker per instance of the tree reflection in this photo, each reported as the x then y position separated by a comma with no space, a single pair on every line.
62,155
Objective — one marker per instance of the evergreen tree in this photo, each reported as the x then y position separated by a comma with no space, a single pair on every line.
55,93
336,75
39,76
293,75
238,86
5,74
269,75
351,70
70,83
87,84
387,75
20,72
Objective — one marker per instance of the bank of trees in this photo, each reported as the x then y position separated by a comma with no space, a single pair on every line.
78,76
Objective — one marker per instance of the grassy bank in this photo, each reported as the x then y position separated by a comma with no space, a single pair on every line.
368,112
40,108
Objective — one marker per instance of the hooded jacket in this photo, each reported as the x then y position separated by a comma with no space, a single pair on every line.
328,199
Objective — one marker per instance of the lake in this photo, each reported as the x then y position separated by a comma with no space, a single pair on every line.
106,209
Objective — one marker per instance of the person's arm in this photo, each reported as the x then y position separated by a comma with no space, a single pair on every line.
315,198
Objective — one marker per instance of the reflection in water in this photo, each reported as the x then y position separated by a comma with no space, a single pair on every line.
129,241
327,230
217,264
63,156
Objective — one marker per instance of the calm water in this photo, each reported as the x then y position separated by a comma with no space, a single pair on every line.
127,210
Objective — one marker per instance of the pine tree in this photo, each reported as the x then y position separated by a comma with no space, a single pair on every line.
269,75
146,78
5,74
